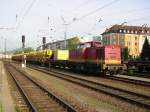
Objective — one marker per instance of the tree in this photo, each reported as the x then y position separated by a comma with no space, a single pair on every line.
125,53
17,52
26,50
145,54
29,49
73,42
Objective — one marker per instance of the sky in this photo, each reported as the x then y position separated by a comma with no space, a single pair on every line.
51,18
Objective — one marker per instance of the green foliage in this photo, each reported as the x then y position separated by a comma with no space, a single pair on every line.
26,50
1,110
29,49
145,54
125,53
73,42
17,52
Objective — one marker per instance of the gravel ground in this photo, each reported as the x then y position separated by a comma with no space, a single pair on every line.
0,107
118,84
83,98
131,87
20,104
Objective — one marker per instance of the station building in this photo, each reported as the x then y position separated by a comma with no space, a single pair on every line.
132,37
61,44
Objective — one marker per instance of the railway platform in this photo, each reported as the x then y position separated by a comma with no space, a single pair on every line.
134,78
6,100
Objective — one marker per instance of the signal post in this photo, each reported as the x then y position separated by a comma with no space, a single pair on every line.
23,56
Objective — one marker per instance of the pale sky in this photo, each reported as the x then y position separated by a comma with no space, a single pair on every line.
30,18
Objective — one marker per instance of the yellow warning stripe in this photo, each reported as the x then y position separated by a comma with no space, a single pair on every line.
97,61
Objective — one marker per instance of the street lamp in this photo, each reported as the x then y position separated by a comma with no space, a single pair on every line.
5,47
93,28
66,27
5,43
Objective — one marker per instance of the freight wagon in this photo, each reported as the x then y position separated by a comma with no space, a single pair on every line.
140,65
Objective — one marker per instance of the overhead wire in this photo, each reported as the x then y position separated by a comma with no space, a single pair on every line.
94,11
138,19
21,11
98,9
25,14
83,4
23,8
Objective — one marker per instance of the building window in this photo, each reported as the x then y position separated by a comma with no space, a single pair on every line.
114,38
122,38
135,43
136,32
120,31
122,43
114,42
135,37
124,31
128,43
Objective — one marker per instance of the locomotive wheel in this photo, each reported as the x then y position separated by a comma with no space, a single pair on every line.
119,71
140,69
111,72
104,72
147,69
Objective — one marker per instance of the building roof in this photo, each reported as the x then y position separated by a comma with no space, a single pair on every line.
128,29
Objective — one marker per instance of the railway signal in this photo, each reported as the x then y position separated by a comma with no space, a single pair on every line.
44,42
23,56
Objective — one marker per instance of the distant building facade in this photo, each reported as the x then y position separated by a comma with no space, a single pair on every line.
97,38
54,45
132,37
62,44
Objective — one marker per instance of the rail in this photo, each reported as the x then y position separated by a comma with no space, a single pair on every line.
58,100
134,98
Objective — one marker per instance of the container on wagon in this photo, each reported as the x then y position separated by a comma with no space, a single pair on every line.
61,54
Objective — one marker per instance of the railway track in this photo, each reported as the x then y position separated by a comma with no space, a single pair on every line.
132,81
122,79
37,96
126,80
131,97
142,75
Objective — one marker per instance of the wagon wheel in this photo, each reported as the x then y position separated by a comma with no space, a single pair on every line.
140,69
111,72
